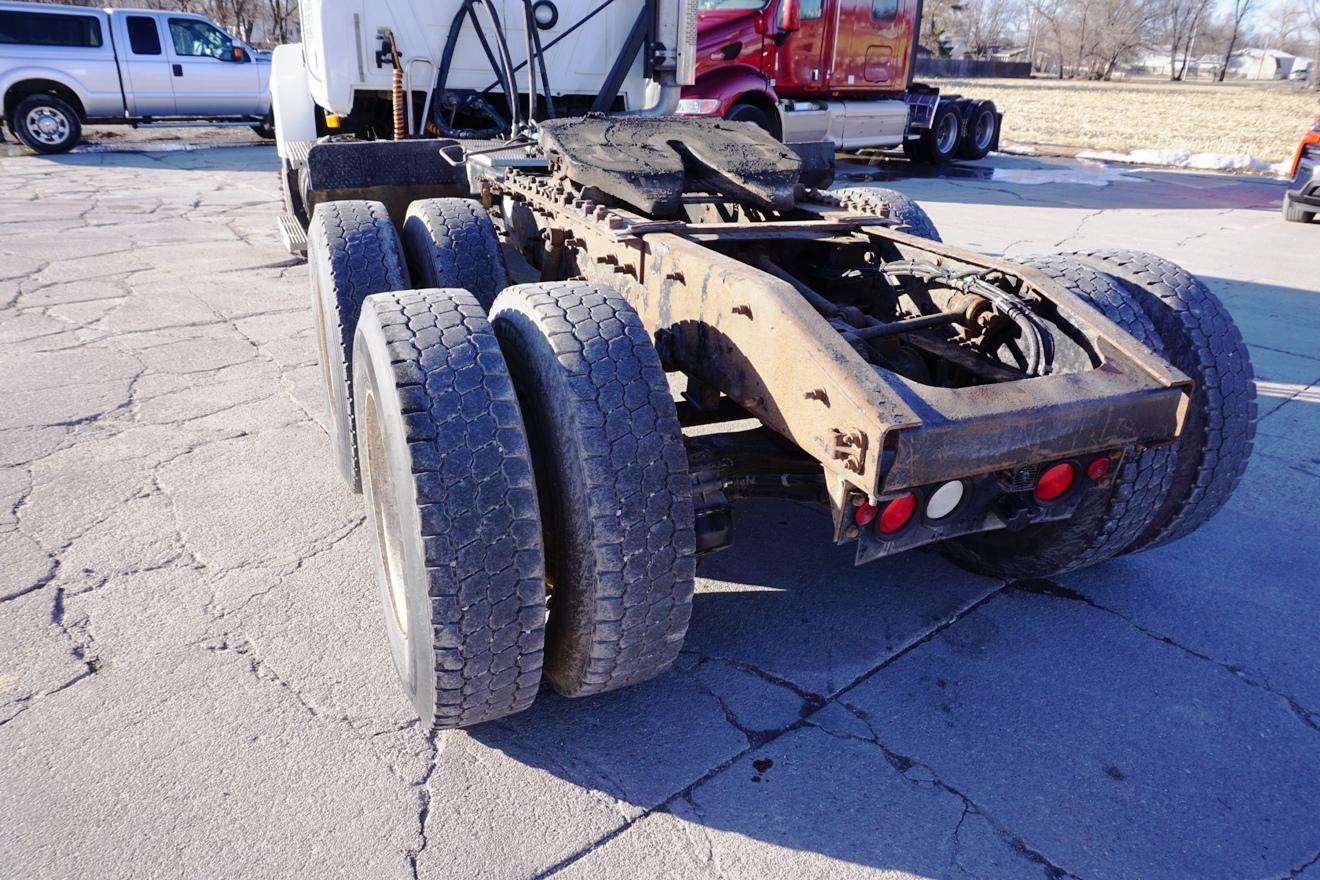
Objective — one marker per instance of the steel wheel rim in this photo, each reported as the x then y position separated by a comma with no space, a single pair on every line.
323,344
385,515
946,135
48,125
984,128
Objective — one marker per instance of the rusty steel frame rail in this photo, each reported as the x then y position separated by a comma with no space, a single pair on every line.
754,337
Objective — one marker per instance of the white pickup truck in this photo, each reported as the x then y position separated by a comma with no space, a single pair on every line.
61,66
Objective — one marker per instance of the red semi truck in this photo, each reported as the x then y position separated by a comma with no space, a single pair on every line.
839,70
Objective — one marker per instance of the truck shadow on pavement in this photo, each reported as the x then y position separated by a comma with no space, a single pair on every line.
909,716
227,158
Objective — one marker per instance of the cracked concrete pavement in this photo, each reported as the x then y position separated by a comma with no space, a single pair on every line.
194,679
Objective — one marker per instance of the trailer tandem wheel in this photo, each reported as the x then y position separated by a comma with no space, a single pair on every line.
612,478
352,252
452,501
452,243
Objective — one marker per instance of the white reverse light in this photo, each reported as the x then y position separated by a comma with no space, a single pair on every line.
944,499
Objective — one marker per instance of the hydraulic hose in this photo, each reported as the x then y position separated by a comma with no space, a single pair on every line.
1036,344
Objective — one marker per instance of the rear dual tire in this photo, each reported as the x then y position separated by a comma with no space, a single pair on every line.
450,499
1160,493
461,517
613,481
954,134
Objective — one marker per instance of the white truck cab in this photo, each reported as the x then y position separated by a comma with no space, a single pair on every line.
62,66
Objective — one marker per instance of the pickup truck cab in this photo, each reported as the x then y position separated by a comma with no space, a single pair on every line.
62,66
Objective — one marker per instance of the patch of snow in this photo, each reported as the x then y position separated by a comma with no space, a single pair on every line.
1016,150
1184,159
1091,175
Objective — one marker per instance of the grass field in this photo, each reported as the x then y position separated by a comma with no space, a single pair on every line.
1264,120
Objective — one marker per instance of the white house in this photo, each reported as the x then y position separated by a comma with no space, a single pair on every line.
1261,64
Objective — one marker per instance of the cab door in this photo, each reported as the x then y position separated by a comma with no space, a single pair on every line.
874,43
212,75
801,68
148,83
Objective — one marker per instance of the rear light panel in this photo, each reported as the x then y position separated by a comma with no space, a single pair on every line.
1004,500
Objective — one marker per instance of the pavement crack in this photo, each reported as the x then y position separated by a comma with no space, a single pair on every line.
423,805
1252,678
1302,868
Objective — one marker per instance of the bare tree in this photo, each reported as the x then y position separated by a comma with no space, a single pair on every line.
987,23
1237,15
1180,20
283,17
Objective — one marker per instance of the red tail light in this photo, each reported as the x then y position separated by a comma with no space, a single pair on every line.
865,513
1098,467
1055,481
896,514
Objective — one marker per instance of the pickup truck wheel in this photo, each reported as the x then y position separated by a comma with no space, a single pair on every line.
1106,521
352,252
452,243
613,480
1198,336
266,127
980,131
452,502
889,203
47,124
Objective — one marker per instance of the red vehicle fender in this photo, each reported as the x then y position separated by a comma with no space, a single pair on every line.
729,84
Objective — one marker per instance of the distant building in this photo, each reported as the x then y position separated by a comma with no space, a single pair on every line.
1262,64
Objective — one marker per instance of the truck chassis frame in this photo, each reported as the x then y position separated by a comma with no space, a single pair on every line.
755,343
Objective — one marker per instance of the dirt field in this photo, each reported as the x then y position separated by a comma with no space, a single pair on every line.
1264,120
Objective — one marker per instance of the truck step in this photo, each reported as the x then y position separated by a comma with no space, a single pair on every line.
297,152
293,235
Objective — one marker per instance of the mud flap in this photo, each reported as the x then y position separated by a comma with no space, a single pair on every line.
396,173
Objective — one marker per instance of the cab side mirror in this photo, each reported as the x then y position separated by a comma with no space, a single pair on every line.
790,16
240,55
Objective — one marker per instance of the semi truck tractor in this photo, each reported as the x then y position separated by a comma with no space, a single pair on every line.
555,360
837,70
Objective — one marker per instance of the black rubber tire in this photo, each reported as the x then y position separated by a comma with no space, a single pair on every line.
1296,213
452,243
1198,336
931,150
352,252
975,142
889,203
266,128
742,112
613,481
449,485
68,137
1106,522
